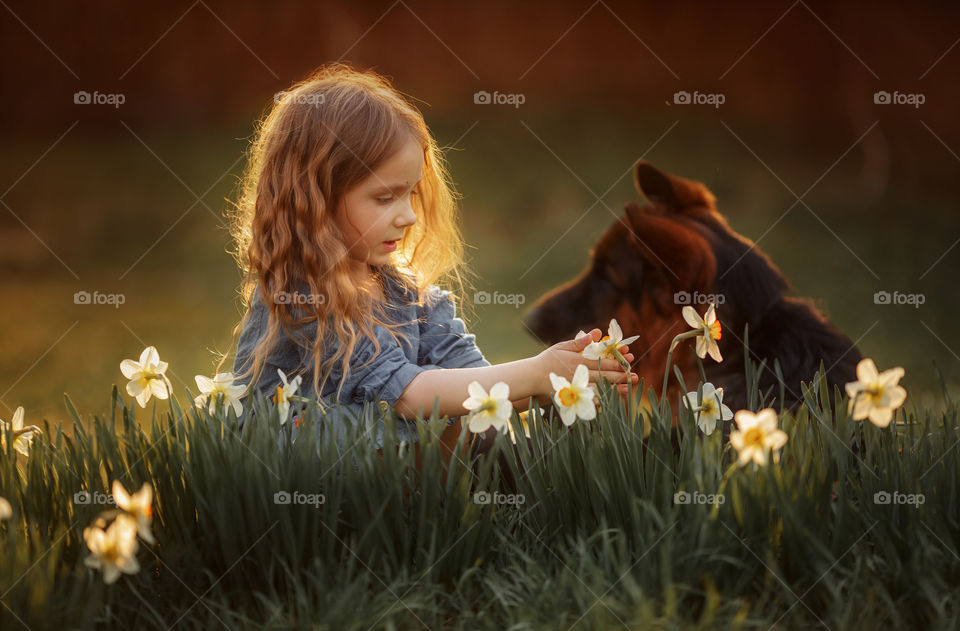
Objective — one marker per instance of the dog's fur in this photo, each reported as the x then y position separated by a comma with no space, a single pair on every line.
680,243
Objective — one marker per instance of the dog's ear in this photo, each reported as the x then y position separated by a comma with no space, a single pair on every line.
683,256
675,193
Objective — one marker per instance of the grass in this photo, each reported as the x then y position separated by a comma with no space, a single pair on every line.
590,537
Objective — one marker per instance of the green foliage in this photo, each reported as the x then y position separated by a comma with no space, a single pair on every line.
578,527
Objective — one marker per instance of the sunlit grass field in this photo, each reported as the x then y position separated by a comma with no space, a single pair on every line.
606,525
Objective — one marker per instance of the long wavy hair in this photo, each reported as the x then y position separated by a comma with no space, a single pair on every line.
322,137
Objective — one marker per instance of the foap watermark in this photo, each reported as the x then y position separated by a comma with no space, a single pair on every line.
909,499
299,99
97,298
297,298
496,298
685,497
498,98
97,497
309,499
899,98
899,298
98,98
507,499
699,98
697,298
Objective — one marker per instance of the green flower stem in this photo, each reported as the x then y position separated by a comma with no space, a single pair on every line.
620,358
666,372
723,486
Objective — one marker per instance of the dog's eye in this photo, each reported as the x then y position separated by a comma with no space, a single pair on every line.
614,276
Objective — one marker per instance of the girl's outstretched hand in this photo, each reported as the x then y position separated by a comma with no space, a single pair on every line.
563,358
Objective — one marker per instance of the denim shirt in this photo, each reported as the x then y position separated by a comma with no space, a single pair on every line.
437,339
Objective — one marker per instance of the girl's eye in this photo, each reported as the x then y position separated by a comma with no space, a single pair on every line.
384,200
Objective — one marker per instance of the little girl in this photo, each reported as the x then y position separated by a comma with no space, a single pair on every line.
345,221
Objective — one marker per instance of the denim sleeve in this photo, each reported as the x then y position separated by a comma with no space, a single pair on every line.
444,341
387,376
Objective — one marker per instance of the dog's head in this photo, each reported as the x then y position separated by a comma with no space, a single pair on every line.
675,250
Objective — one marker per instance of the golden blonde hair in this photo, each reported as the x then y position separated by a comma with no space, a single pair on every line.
322,137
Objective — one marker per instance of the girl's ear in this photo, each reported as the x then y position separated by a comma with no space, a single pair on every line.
684,257
674,193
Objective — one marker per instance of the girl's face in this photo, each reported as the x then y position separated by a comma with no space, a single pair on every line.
376,212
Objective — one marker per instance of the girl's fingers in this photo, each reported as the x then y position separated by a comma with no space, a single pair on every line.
613,364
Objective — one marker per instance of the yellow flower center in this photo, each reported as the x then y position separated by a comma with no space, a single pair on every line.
753,437
280,395
875,393
488,406
110,552
709,406
568,396
714,330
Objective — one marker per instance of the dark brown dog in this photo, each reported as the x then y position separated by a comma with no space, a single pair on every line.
645,268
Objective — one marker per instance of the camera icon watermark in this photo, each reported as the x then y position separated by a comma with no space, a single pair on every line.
908,499
497,298
497,98
899,298
683,97
685,497
97,298
97,497
883,97
300,99
698,298
506,499
297,298
285,498
83,97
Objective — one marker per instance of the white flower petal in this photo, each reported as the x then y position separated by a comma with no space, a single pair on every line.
476,391
614,330
129,368
558,382
500,390
867,370
581,376
692,317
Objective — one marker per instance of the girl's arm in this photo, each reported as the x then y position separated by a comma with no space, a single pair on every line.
526,377
449,385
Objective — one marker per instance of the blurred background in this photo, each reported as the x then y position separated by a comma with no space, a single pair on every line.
827,131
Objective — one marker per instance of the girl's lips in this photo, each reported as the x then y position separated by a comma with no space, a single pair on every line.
390,245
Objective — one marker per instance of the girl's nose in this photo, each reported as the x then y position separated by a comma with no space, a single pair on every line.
407,217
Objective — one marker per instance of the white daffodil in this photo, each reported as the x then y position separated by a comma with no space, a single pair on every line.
114,549
222,383
139,506
147,376
706,329
22,436
609,345
488,410
284,393
710,410
875,395
757,434
6,511
574,399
